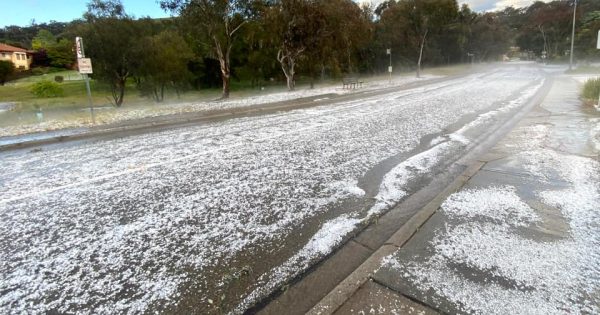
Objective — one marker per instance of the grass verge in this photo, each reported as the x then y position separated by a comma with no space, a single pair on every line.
591,91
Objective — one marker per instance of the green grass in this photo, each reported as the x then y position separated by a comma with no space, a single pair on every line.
591,90
67,74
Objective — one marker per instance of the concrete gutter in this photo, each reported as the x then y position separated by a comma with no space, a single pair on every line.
343,291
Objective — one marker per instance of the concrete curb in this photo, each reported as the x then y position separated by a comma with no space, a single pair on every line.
344,290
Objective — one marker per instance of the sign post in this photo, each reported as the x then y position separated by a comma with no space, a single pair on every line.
389,52
598,47
85,68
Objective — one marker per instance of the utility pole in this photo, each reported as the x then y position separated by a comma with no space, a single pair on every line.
573,34
85,67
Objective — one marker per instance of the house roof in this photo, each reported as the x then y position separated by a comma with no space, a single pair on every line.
9,48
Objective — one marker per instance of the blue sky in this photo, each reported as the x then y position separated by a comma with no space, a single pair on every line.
21,12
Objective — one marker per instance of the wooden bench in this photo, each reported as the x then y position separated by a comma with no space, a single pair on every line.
351,82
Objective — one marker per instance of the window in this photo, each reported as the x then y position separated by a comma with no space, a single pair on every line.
18,57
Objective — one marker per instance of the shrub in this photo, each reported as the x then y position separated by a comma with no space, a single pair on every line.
6,70
591,89
39,71
59,78
47,89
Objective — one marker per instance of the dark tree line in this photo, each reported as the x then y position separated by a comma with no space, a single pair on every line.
211,42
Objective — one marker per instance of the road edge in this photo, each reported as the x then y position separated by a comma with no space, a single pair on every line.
352,283
345,289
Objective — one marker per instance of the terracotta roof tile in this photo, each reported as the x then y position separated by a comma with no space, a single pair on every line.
9,48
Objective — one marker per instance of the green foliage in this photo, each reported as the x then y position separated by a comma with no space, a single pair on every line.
162,61
110,41
61,54
43,40
47,89
105,9
22,36
59,78
591,89
7,68
215,27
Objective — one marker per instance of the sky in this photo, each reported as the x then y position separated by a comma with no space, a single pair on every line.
22,12
484,5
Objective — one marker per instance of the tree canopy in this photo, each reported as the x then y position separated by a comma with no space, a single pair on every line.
212,42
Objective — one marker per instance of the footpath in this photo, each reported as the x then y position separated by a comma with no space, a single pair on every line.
517,233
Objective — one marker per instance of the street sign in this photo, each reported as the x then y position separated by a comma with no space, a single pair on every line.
598,44
79,47
84,65
390,69
388,51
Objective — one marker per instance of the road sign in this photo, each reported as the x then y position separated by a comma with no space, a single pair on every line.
598,44
84,65
390,69
79,47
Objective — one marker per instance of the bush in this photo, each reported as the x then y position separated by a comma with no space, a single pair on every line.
59,78
47,89
591,89
6,70
38,71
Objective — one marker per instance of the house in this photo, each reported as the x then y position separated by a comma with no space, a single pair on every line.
18,56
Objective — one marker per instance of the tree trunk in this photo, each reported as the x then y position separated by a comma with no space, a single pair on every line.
287,65
225,67
290,82
155,95
118,91
119,101
421,54
225,77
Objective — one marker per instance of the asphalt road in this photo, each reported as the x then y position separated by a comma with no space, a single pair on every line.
212,218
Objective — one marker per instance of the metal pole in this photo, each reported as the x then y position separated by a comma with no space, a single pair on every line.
89,93
573,35
87,82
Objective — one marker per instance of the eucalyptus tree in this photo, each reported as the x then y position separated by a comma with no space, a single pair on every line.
111,40
214,27
296,27
412,23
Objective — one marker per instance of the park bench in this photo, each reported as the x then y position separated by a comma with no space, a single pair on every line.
351,82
